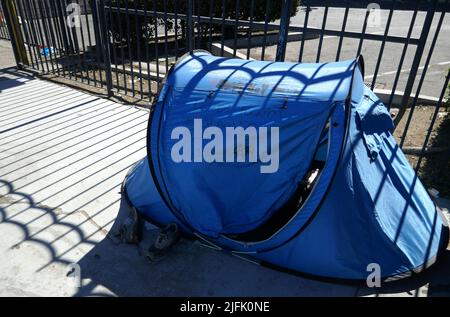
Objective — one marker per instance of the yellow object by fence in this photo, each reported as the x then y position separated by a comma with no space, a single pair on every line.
16,35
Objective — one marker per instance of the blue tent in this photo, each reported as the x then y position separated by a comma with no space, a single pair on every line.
291,165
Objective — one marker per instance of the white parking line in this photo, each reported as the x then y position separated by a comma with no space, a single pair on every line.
406,70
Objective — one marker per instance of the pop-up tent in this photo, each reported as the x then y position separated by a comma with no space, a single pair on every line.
291,165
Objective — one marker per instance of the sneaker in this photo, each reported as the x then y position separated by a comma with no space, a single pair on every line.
167,237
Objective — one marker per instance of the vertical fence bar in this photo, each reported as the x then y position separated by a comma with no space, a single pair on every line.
199,26
383,43
344,25
402,58
82,51
211,15
190,26
363,32
236,25
122,50
175,8
155,10
324,23
129,42
303,38
416,62
114,46
250,27
147,52
166,35
139,38
266,25
72,29
284,30
89,40
222,41
100,6
97,36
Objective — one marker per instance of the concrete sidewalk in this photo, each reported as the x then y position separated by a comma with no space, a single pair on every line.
63,155
6,54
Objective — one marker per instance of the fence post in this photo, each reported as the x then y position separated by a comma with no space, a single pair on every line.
105,45
416,62
12,23
284,30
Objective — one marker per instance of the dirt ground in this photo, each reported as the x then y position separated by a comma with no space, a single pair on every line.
434,169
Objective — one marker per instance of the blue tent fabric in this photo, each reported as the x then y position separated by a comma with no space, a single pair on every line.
142,193
253,94
376,211
197,191
367,206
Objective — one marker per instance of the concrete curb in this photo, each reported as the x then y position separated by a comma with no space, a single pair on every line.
216,49
423,100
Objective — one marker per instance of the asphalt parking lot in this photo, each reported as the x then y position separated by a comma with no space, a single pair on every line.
400,23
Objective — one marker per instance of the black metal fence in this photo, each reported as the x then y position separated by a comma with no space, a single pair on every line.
127,47
4,34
